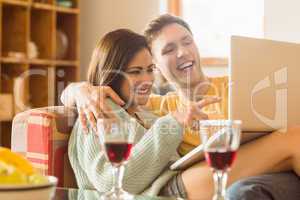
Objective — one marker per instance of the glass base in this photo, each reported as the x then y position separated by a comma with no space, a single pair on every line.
117,195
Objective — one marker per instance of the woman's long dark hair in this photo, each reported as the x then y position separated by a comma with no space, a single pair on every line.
112,55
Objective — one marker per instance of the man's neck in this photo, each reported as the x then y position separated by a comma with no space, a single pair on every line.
195,92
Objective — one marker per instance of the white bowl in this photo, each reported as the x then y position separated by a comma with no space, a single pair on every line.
44,191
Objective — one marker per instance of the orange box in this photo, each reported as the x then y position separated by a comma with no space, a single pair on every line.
6,107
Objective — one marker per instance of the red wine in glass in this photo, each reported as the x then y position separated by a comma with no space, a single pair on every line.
220,159
116,138
118,152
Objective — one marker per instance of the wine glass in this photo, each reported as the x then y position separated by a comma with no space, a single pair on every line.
221,139
117,137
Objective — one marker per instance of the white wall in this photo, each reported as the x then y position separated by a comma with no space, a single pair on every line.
282,20
100,16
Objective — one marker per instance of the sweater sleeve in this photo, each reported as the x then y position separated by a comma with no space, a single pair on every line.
149,156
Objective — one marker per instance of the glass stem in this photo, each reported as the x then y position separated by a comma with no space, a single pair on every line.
220,179
118,177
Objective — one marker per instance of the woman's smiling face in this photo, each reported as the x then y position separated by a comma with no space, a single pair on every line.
138,78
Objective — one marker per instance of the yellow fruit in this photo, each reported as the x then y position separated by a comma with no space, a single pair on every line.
37,179
10,175
16,160
15,169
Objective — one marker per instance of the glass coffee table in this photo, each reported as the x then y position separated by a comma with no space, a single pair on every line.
79,194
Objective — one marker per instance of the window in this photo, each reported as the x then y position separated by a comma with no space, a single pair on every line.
214,21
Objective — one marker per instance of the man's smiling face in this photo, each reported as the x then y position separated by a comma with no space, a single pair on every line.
176,55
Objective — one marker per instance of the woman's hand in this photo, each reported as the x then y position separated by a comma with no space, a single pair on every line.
91,104
193,112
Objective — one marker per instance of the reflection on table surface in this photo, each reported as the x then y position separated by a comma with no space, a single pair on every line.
80,194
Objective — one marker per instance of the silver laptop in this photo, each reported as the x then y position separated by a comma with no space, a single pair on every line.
265,83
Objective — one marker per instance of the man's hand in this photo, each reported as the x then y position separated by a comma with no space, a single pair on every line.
91,104
193,112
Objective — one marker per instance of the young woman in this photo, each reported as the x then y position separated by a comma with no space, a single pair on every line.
122,61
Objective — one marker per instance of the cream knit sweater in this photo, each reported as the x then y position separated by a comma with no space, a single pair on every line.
147,170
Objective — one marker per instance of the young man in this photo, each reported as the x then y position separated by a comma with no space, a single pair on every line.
176,56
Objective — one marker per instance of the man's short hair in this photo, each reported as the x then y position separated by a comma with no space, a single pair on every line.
157,24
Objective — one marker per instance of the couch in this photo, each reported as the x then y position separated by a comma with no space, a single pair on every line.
41,135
